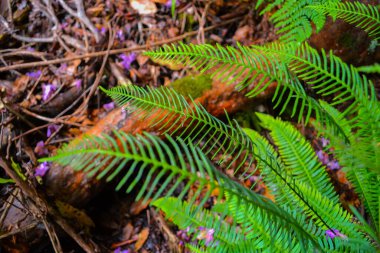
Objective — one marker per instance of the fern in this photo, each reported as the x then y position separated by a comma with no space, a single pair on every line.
299,156
364,16
375,68
227,238
246,68
146,154
359,158
318,205
172,114
295,18
285,64
327,74
311,167
152,102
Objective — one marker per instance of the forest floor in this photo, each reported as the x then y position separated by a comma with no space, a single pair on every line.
54,55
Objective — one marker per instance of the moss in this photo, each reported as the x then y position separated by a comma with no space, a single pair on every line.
192,86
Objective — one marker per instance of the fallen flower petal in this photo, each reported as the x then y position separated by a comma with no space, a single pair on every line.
120,35
119,250
335,233
127,60
51,129
169,3
62,69
47,91
333,165
78,83
323,157
103,30
325,142
34,75
109,106
42,169
209,236
40,149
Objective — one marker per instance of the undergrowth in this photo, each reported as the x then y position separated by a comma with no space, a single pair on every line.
193,147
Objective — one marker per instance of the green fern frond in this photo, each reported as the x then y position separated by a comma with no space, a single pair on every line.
226,237
327,74
170,113
247,68
322,210
161,166
242,66
362,15
294,20
298,156
359,157
375,68
120,96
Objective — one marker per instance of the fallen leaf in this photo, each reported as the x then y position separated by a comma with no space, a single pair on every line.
242,33
127,231
81,219
142,238
142,59
138,206
143,7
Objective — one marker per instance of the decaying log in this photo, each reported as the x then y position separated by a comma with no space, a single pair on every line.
77,189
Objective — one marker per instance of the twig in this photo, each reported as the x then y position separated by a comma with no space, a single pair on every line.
33,39
41,205
55,120
114,51
19,230
36,202
81,15
100,73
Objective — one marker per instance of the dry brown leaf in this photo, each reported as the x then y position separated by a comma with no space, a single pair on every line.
142,238
127,232
79,217
142,59
143,7
160,1
138,206
242,33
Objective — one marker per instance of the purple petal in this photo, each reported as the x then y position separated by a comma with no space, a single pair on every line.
64,25
22,5
109,106
47,91
127,60
169,3
209,236
335,233
325,142
34,75
42,169
40,149
78,83
51,129
333,165
62,69
103,30
120,34
323,157
119,250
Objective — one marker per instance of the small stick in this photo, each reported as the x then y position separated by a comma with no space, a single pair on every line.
42,206
114,51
